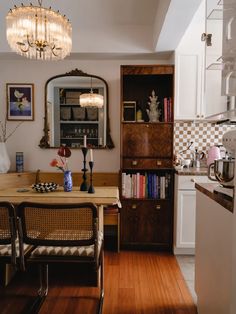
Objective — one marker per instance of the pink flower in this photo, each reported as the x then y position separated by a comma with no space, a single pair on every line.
64,153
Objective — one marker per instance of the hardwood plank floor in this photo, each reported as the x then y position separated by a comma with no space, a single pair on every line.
135,283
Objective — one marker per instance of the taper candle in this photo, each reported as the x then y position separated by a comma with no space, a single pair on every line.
85,140
91,154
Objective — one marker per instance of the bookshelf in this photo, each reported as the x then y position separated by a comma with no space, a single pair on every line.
147,175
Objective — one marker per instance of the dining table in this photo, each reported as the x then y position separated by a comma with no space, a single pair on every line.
103,196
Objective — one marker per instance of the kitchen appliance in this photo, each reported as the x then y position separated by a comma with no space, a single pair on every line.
197,157
213,153
224,169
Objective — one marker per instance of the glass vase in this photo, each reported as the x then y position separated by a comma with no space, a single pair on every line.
68,181
4,159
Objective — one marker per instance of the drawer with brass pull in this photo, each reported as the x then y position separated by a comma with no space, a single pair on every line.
138,163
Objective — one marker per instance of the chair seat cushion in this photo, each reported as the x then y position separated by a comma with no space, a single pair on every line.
85,251
5,249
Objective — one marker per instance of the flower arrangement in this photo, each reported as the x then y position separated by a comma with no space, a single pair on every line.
4,136
62,164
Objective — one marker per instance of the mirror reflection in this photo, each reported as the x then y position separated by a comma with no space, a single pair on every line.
76,108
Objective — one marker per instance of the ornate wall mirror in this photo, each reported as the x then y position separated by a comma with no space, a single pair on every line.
66,121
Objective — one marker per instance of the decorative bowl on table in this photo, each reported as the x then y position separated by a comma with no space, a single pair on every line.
45,187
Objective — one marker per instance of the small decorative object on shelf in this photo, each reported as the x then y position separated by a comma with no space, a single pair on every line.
153,111
91,188
68,184
84,185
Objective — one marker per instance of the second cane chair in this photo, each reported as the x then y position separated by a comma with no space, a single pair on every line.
61,234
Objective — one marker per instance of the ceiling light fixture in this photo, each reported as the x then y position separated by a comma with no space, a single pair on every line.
39,33
91,99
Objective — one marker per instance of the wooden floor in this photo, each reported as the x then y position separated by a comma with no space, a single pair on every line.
135,283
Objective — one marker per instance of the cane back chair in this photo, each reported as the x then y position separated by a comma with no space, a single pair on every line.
7,233
60,233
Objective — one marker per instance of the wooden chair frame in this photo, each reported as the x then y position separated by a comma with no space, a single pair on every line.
9,234
39,225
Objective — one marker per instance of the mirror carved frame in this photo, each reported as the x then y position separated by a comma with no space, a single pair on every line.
44,142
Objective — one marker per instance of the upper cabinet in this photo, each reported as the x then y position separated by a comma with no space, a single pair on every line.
189,76
205,82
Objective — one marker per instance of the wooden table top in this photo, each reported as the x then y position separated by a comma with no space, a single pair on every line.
102,196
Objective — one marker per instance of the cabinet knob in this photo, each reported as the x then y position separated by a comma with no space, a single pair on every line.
134,206
134,162
193,180
158,207
198,116
202,115
159,162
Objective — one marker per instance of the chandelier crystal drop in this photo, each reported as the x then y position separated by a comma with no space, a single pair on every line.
39,33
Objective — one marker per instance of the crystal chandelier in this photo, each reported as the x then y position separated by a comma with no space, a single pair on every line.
91,99
39,33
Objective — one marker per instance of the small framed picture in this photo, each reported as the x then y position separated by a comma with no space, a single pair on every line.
20,102
129,111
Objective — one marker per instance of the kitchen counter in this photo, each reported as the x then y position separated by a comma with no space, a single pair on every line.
208,189
215,252
192,171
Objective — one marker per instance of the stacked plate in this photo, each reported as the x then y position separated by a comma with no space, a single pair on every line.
45,187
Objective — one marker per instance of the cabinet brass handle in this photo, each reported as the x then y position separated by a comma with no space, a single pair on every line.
158,207
159,163
134,162
134,206
193,180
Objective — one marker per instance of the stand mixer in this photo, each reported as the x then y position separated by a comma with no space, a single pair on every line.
224,169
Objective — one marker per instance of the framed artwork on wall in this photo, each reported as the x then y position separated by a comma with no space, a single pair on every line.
20,102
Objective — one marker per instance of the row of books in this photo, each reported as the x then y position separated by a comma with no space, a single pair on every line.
167,110
146,185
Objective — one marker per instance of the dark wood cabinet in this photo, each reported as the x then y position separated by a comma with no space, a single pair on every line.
147,173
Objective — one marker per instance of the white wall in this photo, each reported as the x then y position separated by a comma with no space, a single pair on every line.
28,135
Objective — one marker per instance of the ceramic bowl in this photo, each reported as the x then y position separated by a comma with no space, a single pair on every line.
45,187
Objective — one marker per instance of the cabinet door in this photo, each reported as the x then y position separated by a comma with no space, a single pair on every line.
188,89
186,211
147,140
146,223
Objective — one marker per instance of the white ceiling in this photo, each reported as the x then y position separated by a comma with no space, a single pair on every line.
116,27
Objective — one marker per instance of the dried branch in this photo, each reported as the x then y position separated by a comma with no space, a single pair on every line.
4,137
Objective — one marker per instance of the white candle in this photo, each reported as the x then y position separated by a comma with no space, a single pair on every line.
85,140
91,155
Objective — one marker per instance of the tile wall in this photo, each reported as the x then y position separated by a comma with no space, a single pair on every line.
203,134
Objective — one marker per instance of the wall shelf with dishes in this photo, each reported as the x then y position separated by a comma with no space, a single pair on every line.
75,121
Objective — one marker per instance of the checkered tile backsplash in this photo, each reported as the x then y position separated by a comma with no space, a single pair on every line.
202,134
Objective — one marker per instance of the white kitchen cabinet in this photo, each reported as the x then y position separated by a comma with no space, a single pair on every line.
185,212
188,86
198,92
189,74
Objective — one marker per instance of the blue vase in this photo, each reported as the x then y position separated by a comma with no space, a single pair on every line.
68,181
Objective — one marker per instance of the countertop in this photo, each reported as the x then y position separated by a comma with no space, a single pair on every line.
208,189
192,171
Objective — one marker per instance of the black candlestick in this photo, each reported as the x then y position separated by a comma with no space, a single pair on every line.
91,188
84,184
